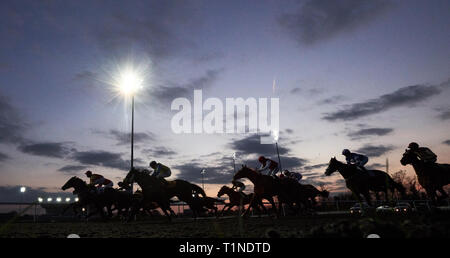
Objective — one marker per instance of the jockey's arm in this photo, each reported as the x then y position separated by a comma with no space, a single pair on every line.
262,168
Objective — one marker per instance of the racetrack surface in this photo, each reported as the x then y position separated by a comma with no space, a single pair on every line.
415,226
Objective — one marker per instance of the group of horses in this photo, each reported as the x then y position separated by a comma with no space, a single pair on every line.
157,193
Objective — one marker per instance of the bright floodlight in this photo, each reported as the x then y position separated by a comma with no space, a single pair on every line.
23,189
40,199
67,199
58,199
275,135
49,199
76,199
129,82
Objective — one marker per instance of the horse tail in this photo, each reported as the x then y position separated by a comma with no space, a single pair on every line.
198,189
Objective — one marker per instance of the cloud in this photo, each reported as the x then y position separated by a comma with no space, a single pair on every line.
370,132
289,131
215,174
125,138
312,167
101,158
252,145
374,151
12,124
320,20
72,169
406,96
47,149
3,157
164,95
159,151
332,100
444,115
308,92
446,142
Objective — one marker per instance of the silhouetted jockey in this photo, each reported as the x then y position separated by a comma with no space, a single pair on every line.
423,153
240,185
268,164
160,171
294,175
98,181
356,159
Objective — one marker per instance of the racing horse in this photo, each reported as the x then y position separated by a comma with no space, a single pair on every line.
432,177
153,190
88,196
265,187
361,183
235,198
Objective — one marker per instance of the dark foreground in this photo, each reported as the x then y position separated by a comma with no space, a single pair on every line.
414,226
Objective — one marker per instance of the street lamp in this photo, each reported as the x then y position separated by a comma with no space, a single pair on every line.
128,83
275,137
203,172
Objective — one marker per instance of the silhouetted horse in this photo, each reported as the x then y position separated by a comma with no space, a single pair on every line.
203,204
235,198
153,189
88,196
265,187
360,182
312,192
185,192
432,177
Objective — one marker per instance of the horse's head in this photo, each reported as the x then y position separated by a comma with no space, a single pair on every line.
243,172
408,158
222,191
332,166
131,176
72,182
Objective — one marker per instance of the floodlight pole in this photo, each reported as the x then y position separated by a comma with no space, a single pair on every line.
279,160
132,136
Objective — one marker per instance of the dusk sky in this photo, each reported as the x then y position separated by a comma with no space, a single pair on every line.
370,76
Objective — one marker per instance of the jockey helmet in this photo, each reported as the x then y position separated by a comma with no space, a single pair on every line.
346,152
88,173
153,164
261,159
413,146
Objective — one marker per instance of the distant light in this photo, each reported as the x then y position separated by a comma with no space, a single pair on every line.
58,199
83,209
49,199
23,189
67,199
40,199
76,199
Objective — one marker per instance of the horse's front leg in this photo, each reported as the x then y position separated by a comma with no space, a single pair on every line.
251,203
274,207
227,205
